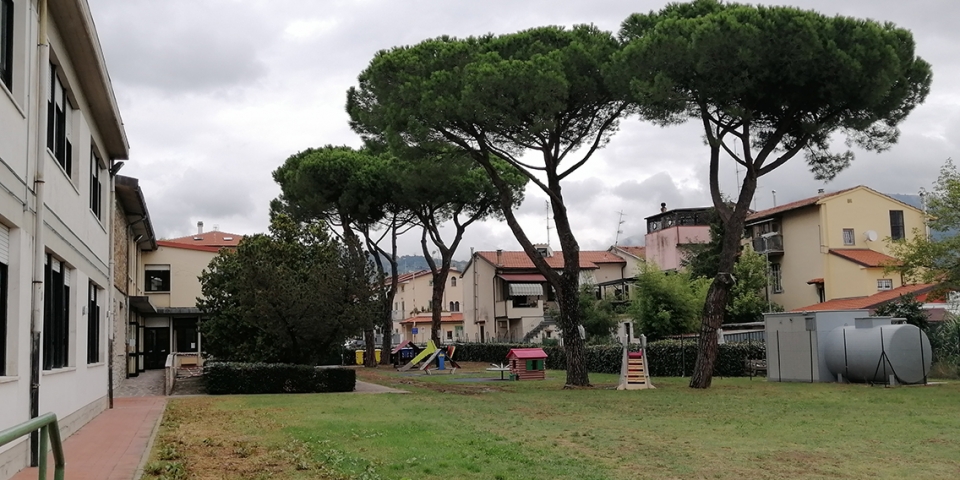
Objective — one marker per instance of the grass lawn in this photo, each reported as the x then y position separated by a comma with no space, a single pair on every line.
448,429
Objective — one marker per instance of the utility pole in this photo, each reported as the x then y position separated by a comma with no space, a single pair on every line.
549,226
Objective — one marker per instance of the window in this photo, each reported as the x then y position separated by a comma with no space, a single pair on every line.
534,365
884,284
459,331
776,278
449,334
897,230
6,43
453,281
456,306
56,314
96,186
848,237
451,307
93,324
58,123
157,278
3,317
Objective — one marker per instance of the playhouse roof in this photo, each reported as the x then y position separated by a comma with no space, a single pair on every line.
526,353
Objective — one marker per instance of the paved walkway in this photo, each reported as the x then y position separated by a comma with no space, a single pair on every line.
366,387
147,384
112,445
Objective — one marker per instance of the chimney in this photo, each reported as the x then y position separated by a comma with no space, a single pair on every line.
663,207
199,228
499,257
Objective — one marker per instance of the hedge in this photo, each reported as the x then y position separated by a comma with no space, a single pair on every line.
667,358
226,378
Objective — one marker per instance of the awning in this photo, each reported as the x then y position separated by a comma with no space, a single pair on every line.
522,277
526,290
142,305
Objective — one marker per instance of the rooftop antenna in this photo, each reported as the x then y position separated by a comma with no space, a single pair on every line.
616,241
547,203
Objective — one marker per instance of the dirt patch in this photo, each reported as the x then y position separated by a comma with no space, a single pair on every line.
197,440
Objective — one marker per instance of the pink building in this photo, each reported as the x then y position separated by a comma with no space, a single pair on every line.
668,231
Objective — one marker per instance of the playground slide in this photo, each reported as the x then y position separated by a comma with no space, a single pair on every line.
431,349
430,360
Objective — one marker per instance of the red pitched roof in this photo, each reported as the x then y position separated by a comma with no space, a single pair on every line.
865,256
406,277
527,353
861,303
454,317
806,202
187,246
520,260
639,252
214,238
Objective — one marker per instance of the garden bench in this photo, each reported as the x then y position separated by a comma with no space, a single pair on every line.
754,367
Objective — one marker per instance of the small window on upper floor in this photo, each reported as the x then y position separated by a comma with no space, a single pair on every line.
897,229
848,237
157,278
96,184
453,281
6,43
59,121
884,284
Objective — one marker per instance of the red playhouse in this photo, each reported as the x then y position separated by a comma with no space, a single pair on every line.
527,363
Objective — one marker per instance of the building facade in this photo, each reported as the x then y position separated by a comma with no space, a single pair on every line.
415,292
832,246
60,138
171,279
508,300
670,230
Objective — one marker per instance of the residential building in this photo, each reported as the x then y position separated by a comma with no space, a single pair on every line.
416,329
61,137
670,230
133,235
415,292
171,276
635,258
507,299
832,245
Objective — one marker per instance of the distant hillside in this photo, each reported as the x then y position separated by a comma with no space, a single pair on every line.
415,263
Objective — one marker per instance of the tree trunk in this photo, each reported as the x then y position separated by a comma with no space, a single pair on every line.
715,306
370,347
568,298
436,305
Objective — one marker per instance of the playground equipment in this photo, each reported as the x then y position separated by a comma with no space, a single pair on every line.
527,363
633,370
428,353
444,357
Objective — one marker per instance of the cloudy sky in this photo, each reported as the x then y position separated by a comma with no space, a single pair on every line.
216,94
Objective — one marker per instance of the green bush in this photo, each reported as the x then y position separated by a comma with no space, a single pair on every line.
225,378
666,358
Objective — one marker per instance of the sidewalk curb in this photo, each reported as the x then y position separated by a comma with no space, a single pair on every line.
153,437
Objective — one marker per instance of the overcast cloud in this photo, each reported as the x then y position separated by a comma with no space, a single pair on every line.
216,94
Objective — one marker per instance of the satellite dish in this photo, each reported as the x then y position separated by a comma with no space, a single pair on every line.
871,235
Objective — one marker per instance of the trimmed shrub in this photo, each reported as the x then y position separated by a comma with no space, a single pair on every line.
667,358
226,378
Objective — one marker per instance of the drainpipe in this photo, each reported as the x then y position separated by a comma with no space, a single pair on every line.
36,300
111,297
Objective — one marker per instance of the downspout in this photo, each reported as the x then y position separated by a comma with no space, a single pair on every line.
111,297
36,300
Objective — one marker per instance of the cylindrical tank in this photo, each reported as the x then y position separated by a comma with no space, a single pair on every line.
872,353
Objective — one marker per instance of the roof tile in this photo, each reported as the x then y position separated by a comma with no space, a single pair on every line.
860,303
865,256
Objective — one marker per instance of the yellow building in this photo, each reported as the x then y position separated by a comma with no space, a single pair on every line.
414,293
831,246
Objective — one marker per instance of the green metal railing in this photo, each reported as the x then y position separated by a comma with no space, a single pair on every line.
49,433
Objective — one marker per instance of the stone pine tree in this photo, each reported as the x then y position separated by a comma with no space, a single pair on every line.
447,191
768,84
536,99
356,192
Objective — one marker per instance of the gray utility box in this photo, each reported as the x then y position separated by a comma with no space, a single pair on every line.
797,342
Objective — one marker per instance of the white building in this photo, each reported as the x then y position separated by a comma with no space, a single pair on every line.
60,134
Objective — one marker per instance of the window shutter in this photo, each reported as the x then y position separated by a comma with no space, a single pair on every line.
531,364
4,244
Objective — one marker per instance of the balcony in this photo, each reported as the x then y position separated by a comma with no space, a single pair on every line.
770,243
518,309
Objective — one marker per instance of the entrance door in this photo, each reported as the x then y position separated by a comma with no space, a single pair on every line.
481,333
156,347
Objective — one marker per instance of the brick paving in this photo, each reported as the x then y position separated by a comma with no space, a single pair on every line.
112,445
